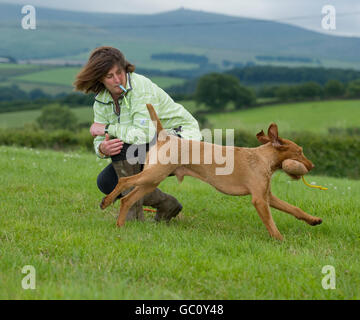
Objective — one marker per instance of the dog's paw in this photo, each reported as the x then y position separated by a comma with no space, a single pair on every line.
315,221
120,224
104,203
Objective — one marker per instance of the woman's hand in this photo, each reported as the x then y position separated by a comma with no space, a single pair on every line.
97,129
110,147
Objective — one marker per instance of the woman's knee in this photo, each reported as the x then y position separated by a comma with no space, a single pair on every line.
107,179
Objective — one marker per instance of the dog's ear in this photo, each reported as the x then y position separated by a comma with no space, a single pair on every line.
262,137
274,135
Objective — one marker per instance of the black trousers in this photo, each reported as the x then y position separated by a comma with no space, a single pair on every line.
107,179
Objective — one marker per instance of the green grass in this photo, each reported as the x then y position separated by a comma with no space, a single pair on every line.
217,249
20,118
61,76
164,82
65,76
5,66
84,114
139,53
51,89
315,116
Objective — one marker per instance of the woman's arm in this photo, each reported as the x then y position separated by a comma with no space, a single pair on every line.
103,145
140,131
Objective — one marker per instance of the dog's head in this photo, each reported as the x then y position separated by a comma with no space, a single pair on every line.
285,149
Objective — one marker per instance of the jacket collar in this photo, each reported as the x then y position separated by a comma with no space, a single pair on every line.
105,97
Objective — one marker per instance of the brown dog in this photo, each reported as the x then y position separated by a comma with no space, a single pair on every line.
251,174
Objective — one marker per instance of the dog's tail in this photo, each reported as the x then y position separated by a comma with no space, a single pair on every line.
154,117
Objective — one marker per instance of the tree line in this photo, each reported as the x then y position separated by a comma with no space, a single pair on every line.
312,91
181,57
14,99
271,74
216,90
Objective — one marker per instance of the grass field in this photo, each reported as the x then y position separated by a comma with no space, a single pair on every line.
217,249
61,76
315,116
53,80
51,89
7,66
20,118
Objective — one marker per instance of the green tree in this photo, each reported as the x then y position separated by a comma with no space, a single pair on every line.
333,89
37,94
12,93
310,89
55,117
353,89
244,97
216,90
287,93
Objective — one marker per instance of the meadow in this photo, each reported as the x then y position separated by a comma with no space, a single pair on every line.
55,79
311,116
21,118
66,75
217,248
314,117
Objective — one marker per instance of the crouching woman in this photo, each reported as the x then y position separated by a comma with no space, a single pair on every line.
121,120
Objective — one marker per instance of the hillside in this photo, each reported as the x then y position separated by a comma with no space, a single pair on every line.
316,116
217,36
312,116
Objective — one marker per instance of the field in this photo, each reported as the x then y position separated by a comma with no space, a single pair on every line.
20,118
54,80
66,75
61,76
217,249
314,117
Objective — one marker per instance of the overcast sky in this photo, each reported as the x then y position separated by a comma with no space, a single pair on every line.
305,13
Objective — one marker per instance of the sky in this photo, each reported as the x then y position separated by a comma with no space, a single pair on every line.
304,13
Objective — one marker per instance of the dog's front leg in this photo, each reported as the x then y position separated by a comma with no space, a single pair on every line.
130,199
263,209
123,184
110,198
295,211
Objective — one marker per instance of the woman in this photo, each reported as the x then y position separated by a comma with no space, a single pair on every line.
121,120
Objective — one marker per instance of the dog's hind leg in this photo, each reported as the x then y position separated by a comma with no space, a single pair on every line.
130,199
153,175
295,211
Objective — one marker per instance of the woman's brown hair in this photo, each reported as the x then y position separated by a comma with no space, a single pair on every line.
101,60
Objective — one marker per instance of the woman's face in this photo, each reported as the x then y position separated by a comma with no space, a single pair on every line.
113,79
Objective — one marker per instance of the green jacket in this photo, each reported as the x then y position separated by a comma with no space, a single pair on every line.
134,125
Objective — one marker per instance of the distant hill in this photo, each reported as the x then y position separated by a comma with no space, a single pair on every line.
72,35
